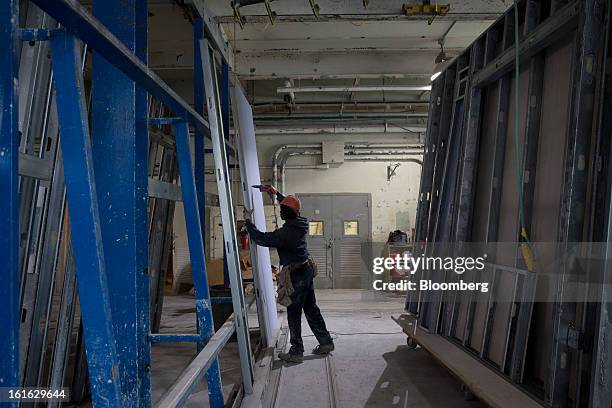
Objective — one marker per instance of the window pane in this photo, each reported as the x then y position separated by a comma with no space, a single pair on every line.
351,228
315,228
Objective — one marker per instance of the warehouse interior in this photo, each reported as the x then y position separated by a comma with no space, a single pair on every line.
133,133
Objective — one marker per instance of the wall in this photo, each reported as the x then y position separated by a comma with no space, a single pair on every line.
393,201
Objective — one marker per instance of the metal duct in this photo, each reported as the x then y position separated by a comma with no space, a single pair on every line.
367,157
349,147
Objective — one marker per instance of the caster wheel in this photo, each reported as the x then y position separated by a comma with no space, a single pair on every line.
411,343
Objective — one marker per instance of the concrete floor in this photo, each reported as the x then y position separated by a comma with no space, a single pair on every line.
371,366
170,359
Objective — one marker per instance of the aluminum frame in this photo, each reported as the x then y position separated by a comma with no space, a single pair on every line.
581,329
43,206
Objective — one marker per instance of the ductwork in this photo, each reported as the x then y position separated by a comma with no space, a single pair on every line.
356,152
337,130
358,88
347,148
282,149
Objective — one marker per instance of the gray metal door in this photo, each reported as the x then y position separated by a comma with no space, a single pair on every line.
351,229
339,226
318,209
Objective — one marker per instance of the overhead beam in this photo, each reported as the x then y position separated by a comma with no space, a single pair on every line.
382,88
562,23
335,7
334,130
349,44
291,64
309,18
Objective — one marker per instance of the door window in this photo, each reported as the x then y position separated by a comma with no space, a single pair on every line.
351,228
315,228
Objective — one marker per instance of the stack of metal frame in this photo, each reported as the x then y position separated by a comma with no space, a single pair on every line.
471,194
89,177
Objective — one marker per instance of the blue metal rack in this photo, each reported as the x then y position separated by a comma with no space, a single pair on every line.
106,185
9,227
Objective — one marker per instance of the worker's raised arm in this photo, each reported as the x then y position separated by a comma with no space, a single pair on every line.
266,188
274,239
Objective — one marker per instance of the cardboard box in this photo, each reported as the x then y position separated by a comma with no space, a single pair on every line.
214,270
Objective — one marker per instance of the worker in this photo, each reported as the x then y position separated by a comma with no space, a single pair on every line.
290,242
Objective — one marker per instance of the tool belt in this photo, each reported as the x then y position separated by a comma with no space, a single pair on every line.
308,262
285,286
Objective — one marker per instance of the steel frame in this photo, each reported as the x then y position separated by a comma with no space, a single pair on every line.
227,215
588,59
108,225
581,329
598,326
9,235
523,310
198,259
83,206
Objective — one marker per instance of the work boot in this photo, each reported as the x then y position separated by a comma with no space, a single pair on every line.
324,348
291,357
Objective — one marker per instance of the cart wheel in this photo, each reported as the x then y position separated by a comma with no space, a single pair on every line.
411,343
467,394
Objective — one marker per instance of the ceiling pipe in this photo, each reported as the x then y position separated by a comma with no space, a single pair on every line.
359,88
343,115
350,146
349,154
386,159
281,149
383,145
360,158
287,157
336,130
266,107
384,152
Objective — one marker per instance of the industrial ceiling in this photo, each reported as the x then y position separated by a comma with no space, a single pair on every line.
356,56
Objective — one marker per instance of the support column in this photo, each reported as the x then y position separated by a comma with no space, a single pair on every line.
9,228
119,143
102,362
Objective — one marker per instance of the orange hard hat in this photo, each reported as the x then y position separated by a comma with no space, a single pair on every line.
291,202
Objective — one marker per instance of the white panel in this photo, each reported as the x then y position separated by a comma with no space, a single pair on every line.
249,163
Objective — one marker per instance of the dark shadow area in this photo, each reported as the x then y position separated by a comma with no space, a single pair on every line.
413,378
